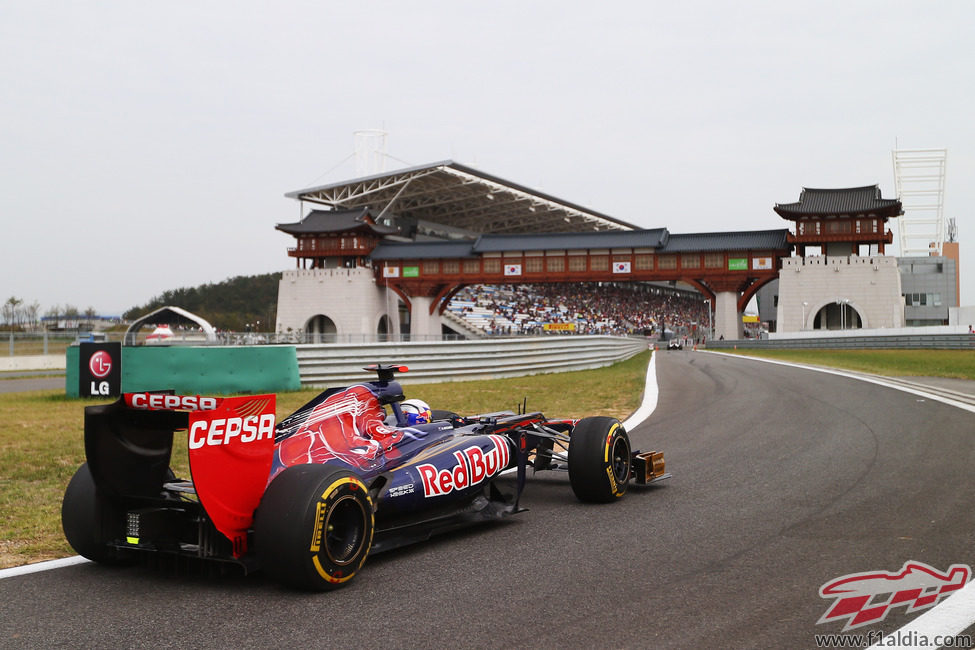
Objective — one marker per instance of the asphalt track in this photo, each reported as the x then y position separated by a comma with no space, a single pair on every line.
12,383
783,480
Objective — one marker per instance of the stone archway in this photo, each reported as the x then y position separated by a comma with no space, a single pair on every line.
321,329
837,315
384,328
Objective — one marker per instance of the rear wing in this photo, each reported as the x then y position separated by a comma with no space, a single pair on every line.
128,445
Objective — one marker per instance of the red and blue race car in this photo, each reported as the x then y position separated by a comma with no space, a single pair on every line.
357,470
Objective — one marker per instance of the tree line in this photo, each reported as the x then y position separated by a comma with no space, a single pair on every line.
18,314
241,303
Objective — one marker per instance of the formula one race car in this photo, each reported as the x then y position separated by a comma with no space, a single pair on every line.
307,499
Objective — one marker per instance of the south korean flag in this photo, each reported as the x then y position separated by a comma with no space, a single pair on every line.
621,267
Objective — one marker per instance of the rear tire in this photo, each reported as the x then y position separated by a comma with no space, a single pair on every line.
90,521
314,527
599,460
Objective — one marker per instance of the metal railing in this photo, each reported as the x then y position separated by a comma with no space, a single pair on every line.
46,342
30,344
439,361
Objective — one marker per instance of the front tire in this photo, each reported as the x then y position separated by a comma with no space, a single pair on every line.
599,460
314,527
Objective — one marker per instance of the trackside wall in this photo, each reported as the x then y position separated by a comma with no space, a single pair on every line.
251,369
203,370
337,364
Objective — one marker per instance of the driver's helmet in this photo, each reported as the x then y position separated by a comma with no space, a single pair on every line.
416,411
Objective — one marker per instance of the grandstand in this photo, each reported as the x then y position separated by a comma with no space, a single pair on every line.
387,255
580,308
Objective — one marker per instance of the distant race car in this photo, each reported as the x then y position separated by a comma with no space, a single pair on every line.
308,498
675,344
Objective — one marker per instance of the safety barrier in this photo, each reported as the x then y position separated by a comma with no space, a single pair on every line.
338,364
273,368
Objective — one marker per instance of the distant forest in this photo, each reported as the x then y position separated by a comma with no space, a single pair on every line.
245,302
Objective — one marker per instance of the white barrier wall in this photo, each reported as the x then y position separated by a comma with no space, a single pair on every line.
349,298
338,364
32,362
869,285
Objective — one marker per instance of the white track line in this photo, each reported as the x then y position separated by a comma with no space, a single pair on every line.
41,566
954,614
949,618
926,393
649,397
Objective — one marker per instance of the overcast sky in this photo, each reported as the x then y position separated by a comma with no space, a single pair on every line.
148,146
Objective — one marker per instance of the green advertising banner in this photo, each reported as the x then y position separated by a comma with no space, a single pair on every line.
411,271
737,264
193,370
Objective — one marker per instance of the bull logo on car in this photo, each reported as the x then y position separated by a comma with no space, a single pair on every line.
348,426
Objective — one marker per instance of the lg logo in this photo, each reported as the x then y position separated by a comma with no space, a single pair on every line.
100,365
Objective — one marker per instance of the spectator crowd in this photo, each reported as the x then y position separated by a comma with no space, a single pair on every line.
581,308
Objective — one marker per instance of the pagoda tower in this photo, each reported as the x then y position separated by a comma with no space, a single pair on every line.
332,294
850,284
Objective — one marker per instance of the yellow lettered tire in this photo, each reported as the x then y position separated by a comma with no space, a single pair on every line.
314,527
599,460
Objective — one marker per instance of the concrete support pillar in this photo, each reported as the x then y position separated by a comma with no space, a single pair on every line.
727,318
423,324
392,313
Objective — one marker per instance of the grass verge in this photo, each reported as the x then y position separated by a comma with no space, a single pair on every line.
41,438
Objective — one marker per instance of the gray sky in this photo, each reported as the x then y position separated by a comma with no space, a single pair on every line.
148,146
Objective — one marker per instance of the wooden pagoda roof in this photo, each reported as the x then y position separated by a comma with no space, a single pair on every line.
333,221
845,202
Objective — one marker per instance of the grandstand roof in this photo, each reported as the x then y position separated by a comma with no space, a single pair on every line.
840,202
388,250
659,239
462,197
728,241
321,221
572,240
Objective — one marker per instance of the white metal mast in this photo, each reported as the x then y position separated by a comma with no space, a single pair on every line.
919,182
370,152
